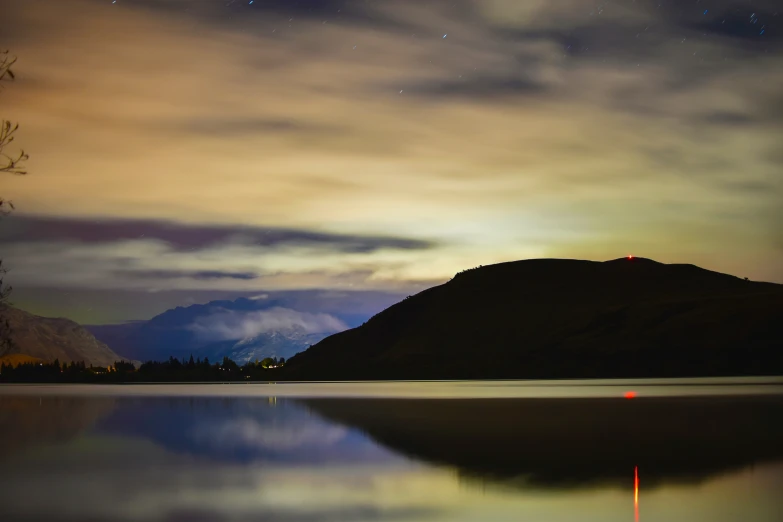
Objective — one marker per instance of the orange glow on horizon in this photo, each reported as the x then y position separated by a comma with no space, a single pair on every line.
630,395
630,256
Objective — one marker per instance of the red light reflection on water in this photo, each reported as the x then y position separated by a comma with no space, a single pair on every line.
636,493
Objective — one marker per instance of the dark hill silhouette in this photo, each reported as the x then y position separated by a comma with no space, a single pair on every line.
50,339
553,318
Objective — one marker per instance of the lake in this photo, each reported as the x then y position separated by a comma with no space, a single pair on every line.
635,450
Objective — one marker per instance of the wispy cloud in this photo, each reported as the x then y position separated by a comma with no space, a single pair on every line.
221,126
189,237
199,275
223,325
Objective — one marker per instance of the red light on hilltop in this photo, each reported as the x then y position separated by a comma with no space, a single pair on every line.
630,395
630,256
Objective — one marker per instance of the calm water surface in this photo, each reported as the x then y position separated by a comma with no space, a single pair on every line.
415,451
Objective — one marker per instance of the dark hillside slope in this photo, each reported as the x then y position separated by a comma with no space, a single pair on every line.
49,338
552,318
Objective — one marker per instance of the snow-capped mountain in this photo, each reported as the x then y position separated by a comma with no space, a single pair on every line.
279,343
244,330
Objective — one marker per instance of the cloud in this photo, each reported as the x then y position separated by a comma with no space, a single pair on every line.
149,264
252,126
729,118
335,12
285,148
182,237
226,325
489,87
199,275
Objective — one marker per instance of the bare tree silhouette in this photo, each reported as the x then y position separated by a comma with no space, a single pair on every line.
9,164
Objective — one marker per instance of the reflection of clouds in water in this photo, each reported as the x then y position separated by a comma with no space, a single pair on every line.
243,460
173,490
241,431
250,433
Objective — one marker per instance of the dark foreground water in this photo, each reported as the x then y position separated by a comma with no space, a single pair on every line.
674,451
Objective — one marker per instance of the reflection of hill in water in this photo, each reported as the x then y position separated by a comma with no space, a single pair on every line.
34,421
573,442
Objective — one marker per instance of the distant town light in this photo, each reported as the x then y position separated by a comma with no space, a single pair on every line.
630,256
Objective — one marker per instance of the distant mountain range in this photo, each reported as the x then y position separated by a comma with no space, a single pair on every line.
544,318
551,318
41,338
243,330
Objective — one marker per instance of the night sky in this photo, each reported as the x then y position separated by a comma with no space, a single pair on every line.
359,151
